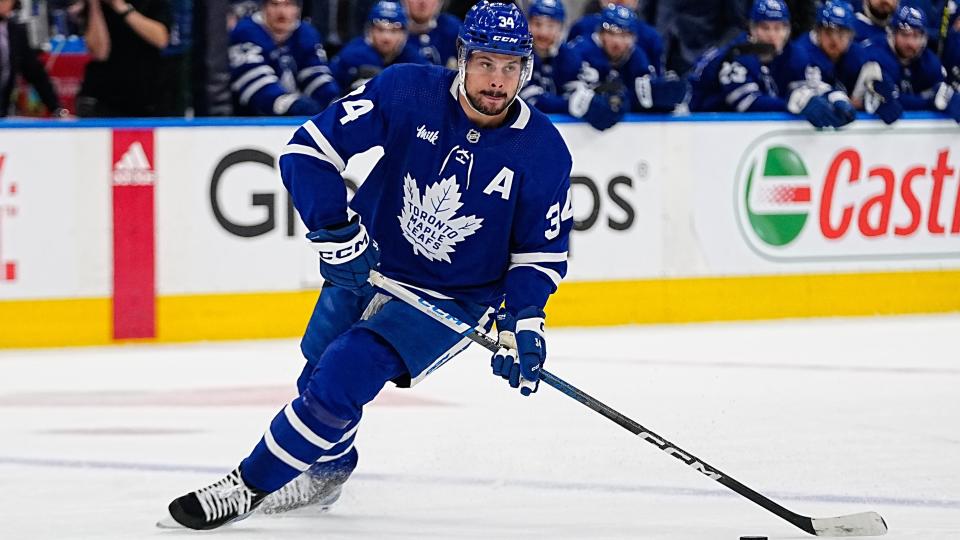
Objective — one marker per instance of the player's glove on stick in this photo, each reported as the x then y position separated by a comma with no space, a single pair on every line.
816,109
948,101
660,93
843,110
525,348
347,254
600,110
884,100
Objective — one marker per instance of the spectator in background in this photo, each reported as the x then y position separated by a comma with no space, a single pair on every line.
761,71
338,21
616,75
17,58
124,76
384,44
433,32
646,36
903,74
277,65
553,67
690,27
873,18
835,60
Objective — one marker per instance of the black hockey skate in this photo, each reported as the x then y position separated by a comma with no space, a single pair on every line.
318,488
220,503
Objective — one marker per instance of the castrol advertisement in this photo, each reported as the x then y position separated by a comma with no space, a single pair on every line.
857,199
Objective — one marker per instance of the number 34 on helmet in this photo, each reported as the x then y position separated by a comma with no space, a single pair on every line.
498,28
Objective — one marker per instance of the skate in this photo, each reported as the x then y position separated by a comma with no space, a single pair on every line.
318,488
218,504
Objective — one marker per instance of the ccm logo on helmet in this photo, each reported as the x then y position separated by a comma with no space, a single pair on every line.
506,39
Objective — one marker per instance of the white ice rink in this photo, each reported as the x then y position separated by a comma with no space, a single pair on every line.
828,417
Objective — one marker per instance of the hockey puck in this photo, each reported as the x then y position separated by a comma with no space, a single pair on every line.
753,538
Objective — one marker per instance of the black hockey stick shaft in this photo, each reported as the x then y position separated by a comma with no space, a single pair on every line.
478,336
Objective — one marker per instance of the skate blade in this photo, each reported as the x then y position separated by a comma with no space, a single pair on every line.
167,522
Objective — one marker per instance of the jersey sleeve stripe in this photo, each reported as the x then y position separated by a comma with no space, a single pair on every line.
250,76
306,151
538,257
554,276
741,91
305,73
317,83
324,145
255,86
282,454
746,102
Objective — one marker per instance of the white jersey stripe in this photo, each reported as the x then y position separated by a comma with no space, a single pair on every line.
282,454
544,257
554,276
251,75
325,147
255,86
306,151
308,434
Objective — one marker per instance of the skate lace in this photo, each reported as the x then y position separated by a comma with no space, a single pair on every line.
226,497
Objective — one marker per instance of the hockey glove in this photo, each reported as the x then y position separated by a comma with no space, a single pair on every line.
347,255
304,106
948,101
884,100
843,110
602,111
660,93
815,108
524,348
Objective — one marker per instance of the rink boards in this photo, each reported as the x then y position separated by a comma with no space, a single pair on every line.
171,231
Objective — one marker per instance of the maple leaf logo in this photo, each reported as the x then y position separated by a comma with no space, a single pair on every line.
430,223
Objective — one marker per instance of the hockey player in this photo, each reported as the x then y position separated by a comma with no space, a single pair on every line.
903,74
616,76
277,65
835,58
469,205
761,71
383,44
435,33
873,19
553,67
647,36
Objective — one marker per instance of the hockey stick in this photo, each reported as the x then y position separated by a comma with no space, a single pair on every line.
862,524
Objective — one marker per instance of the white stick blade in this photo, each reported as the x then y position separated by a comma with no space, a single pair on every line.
865,524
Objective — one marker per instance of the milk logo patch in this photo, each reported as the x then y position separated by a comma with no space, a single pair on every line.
430,223
429,136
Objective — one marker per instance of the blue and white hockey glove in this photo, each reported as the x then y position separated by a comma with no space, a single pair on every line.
524,348
815,108
660,93
347,254
884,100
842,108
948,101
600,110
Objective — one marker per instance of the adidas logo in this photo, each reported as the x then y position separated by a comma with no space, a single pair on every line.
133,167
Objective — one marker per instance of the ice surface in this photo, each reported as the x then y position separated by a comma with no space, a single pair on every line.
828,417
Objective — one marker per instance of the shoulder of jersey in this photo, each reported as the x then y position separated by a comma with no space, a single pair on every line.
248,30
306,35
540,125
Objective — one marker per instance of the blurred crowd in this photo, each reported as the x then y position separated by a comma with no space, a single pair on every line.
825,60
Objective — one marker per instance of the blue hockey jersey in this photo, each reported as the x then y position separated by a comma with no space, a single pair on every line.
551,75
918,81
951,58
439,44
457,210
725,80
866,31
840,75
596,69
267,77
358,62
648,38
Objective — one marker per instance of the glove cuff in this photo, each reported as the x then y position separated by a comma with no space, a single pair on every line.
579,102
644,89
944,94
799,99
342,245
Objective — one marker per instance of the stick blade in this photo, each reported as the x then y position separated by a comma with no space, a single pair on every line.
864,524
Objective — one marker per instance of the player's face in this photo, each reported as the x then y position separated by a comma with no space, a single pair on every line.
617,45
909,42
387,38
281,16
834,41
492,80
772,33
6,8
422,11
546,32
882,8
